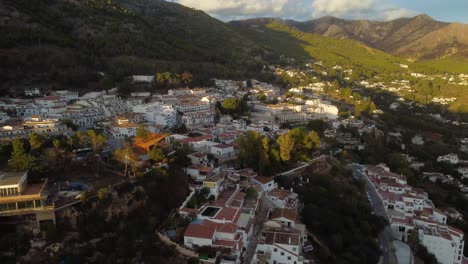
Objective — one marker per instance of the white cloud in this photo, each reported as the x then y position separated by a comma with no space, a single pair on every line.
394,13
229,9
338,7
298,9
359,9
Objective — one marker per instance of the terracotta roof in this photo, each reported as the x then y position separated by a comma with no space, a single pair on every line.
438,211
202,168
223,146
263,179
280,193
225,243
284,212
204,229
227,214
227,228
407,221
455,231
285,236
199,154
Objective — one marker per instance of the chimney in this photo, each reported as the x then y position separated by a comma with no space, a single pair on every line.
289,240
291,189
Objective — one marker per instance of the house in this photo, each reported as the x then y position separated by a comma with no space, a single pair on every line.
283,198
198,158
224,236
285,216
20,198
124,130
142,78
417,140
223,150
32,92
3,117
463,171
450,158
34,125
199,172
215,185
445,242
279,245
66,95
267,184
243,175
453,213
50,101
200,233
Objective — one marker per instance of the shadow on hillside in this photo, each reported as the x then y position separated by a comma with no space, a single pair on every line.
280,43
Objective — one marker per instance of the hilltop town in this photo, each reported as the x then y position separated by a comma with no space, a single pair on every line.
224,173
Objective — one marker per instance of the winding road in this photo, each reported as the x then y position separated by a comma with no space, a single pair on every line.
386,237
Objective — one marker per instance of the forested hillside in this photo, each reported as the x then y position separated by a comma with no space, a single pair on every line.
66,43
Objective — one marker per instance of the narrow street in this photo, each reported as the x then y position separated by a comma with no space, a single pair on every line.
258,223
386,237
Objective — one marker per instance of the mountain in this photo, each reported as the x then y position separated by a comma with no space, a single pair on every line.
65,43
283,39
420,37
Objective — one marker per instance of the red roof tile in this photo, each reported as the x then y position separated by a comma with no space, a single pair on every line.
205,229
263,179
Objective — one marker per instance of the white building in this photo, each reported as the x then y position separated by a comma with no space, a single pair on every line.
143,78
27,110
267,184
279,245
223,150
450,158
204,232
199,172
124,130
50,101
66,95
3,117
197,119
31,92
322,107
35,125
160,114
445,242
283,198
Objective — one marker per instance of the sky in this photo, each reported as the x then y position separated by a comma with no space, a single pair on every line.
301,10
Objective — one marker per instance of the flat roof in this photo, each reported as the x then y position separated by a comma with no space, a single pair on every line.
10,178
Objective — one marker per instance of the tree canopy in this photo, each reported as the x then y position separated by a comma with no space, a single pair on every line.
20,159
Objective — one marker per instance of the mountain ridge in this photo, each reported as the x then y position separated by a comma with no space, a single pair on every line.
403,36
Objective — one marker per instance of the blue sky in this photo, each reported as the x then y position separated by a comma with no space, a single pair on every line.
444,10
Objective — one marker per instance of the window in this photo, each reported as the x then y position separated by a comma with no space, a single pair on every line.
282,253
275,250
289,258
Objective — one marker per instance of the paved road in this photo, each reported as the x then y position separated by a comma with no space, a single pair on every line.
386,237
258,224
